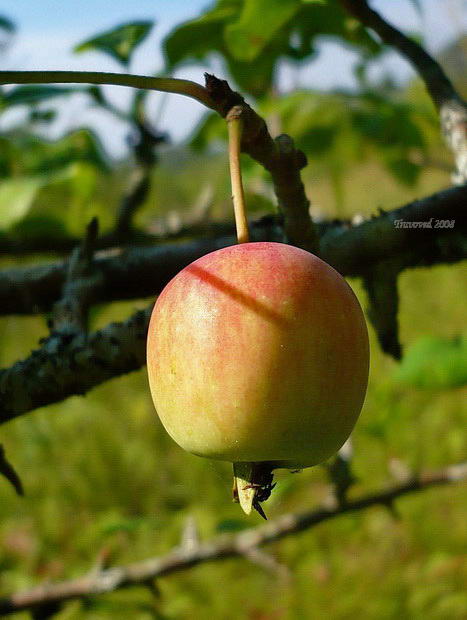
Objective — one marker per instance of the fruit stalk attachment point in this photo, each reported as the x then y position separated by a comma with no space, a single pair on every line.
234,124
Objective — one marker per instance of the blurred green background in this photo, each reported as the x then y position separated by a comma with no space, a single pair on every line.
103,479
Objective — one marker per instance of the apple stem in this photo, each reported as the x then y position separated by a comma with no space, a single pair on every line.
234,124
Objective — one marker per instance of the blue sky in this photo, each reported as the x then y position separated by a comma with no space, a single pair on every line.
48,30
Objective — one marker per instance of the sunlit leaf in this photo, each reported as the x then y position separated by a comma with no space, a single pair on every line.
434,363
16,198
258,23
119,42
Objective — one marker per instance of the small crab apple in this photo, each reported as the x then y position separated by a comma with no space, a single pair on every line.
258,354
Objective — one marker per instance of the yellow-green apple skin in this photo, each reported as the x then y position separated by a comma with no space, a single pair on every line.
258,352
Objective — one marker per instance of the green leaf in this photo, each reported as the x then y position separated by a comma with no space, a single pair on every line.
258,23
16,198
263,31
42,116
211,129
120,42
39,226
7,25
404,170
82,145
32,94
194,39
434,363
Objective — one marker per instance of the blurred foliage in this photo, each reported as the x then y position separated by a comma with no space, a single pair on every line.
120,42
34,94
103,480
435,363
252,36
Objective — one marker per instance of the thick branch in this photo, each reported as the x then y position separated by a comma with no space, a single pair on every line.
73,364
143,271
55,372
452,109
243,544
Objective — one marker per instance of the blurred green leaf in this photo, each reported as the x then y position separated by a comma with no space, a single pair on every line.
434,363
7,25
83,180
258,23
33,94
211,129
246,30
124,524
39,226
81,145
194,39
120,42
16,197
405,171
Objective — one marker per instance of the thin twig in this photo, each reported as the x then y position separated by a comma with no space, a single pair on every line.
219,548
436,81
70,312
168,85
451,107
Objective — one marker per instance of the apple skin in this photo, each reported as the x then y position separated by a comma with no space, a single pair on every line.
258,352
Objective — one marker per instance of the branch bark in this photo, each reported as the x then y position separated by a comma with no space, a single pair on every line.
68,364
143,271
75,364
244,544
452,108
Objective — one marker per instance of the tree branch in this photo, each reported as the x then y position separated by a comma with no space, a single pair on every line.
73,364
76,363
143,271
244,544
451,107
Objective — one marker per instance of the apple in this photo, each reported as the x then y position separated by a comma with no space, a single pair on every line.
258,354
